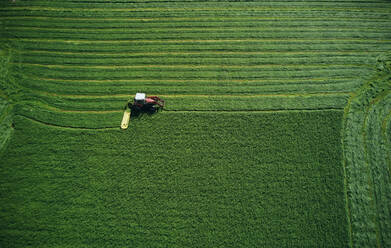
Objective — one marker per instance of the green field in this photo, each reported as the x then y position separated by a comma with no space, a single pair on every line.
276,131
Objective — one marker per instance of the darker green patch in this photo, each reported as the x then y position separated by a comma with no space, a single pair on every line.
177,180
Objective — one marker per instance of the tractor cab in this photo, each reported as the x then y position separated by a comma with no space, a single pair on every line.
142,103
139,99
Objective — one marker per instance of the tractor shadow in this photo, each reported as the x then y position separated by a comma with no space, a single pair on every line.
140,113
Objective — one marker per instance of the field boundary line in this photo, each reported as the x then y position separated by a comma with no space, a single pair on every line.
344,166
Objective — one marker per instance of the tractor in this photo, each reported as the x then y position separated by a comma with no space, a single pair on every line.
141,104
144,104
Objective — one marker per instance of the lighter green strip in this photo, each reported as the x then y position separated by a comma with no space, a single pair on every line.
371,183
193,95
157,9
174,18
285,80
192,66
312,52
334,29
325,40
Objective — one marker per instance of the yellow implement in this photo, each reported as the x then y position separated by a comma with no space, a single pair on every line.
125,119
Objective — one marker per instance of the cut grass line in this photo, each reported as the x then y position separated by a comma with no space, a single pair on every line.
191,95
133,30
158,9
386,137
217,18
193,80
122,54
55,109
371,181
295,40
191,66
384,125
173,111
66,127
344,165
253,111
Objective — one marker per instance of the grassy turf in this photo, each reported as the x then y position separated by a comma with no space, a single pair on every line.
248,152
248,180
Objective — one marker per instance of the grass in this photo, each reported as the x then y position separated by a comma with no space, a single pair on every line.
250,179
275,134
367,161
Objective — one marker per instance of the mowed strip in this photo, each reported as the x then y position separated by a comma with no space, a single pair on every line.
68,20
173,9
282,66
178,41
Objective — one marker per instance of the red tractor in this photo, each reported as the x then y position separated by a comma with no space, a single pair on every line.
143,104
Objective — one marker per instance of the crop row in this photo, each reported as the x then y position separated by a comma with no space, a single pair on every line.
196,60
289,55
212,30
278,45
201,34
217,21
229,12
238,22
217,72
202,4
189,88
90,24
199,8
190,82
200,54
230,102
